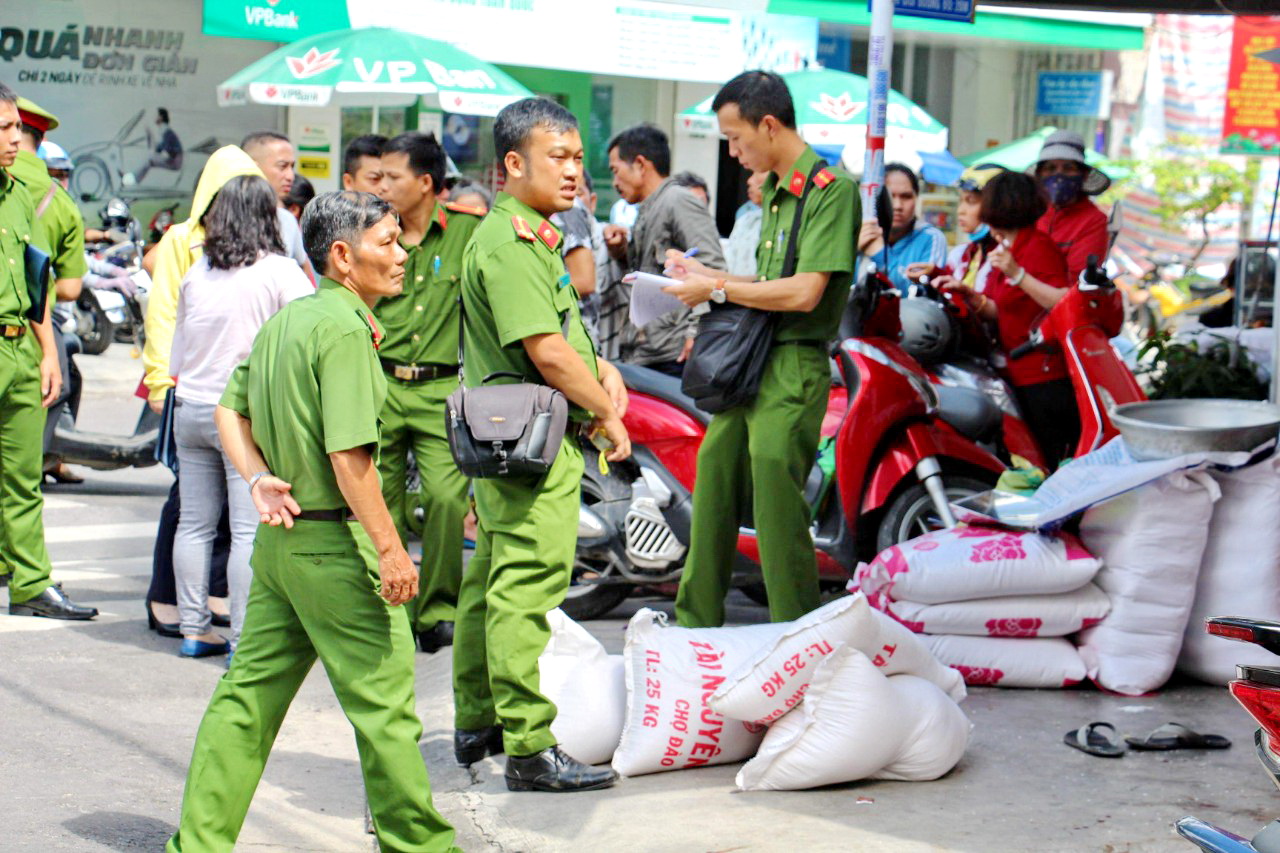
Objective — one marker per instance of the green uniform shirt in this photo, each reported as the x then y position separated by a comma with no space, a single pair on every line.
828,231
60,229
514,285
15,232
421,324
312,386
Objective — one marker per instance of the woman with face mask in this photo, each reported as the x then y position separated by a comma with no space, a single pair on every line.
968,263
1072,221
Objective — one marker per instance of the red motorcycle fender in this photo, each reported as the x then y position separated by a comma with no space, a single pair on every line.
672,435
899,460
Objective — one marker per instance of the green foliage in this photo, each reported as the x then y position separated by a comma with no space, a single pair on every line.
1181,370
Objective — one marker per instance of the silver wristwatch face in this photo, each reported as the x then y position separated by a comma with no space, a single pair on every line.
718,295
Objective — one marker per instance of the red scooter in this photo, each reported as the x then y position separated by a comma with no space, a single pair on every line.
896,451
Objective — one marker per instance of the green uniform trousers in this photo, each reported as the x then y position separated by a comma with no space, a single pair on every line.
314,594
413,419
770,443
528,531
22,416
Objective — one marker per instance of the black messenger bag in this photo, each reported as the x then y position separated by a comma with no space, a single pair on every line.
733,341
512,430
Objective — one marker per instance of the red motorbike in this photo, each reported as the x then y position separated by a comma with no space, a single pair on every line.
896,450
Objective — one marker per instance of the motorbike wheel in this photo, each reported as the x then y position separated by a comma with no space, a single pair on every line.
93,326
91,180
912,513
588,600
756,592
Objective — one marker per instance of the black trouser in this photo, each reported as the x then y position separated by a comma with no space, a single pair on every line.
1049,409
163,589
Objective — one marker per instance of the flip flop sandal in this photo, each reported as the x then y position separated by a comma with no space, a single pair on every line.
1094,742
1177,736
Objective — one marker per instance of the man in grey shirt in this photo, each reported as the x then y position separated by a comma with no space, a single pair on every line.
273,152
670,217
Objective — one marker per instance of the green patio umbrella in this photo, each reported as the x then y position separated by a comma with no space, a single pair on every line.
1021,155
373,63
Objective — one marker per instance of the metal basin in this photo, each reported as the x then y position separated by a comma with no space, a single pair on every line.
1162,429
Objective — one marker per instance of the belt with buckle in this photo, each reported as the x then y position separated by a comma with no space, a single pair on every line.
339,514
418,372
12,331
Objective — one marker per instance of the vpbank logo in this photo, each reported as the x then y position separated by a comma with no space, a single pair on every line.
267,16
313,62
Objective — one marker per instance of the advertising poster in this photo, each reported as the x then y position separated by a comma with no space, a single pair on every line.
134,87
1251,120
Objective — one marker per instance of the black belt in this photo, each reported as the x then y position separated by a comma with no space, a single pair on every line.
340,514
418,372
12,331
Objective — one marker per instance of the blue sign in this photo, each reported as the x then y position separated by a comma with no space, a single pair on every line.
959,11
1070,93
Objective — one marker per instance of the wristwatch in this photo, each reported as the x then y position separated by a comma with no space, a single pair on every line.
718,294
253,481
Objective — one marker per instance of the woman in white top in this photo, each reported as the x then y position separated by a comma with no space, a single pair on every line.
241,281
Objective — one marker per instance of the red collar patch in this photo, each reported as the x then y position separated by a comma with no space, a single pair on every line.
441,218
523,231
823,178
547,232
796,185
377,333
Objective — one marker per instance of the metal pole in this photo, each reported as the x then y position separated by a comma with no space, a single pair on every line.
879,63
1275,326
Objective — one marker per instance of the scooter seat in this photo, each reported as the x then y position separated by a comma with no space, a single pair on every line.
664,387
970,412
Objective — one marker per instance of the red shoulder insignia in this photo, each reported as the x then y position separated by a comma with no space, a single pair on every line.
547,232
823,178
442,218
796,184
374,331
523,231
454,207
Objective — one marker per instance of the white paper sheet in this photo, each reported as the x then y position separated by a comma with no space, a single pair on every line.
648,302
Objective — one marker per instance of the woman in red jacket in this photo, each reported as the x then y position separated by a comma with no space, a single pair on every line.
1028,276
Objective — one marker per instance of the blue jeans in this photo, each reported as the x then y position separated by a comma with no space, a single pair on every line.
209,482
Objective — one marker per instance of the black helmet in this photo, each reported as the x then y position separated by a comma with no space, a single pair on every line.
928,329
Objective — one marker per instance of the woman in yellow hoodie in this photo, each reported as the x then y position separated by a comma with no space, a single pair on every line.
178,250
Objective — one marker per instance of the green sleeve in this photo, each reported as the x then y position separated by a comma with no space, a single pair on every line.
828,230
348,403
518,293
68,244
236,395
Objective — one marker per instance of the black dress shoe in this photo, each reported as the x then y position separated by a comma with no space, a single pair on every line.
219,620
436,637
471,745
52,604
164,629
551,770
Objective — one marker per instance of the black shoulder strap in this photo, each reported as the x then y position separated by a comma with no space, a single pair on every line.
789,261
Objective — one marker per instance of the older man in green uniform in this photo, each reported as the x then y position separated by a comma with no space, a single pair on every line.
521,318
420,358
299,420
764,450
30,379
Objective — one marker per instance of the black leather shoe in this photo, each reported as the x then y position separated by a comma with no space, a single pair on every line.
551,770
436,637
220,621
52,604
164,629
471,745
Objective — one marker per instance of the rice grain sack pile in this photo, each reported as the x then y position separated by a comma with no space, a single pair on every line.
1010,662
1151,541
1012,616
587,686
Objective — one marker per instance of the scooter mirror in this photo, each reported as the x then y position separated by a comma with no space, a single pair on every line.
884,210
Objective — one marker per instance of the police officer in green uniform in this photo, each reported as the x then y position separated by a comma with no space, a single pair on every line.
30,380
59,227
420,358
521,318
763,451
299,420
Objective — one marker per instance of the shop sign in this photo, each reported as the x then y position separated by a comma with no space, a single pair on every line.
957,11
274,20
1251,120
1073,93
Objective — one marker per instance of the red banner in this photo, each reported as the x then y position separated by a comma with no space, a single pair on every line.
1251,121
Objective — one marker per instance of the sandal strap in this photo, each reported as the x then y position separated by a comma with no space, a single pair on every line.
1082,733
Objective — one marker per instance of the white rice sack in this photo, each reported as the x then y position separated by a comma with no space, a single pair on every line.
852,723
1240,572
777,676
1005,662
1151,541
938,737
588,689
671,672
966,563
1011,616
